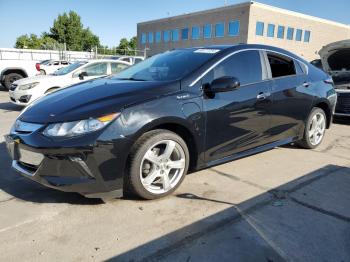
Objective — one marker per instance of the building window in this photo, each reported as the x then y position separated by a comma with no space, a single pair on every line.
175,35
207,31
280,32
196,32
233,28
290,33
184,34
299,35
220,30
158,37
143,38
307,36
166,36
150,37
259,28
271,30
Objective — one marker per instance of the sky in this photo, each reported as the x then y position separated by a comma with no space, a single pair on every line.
112,20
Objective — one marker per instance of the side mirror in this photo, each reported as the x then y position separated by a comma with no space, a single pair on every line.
82,75
223,84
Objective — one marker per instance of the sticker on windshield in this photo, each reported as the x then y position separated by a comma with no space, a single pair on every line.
207,51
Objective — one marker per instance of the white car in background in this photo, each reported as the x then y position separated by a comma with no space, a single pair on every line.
47,67
25,91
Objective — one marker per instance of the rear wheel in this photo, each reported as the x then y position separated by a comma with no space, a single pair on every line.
158,164
315,129
10,78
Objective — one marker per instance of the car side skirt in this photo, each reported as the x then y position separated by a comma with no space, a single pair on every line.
252,151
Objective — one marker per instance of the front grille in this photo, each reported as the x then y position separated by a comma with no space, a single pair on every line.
343,103
13,87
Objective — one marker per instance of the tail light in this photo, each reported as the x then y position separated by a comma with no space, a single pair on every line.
37,66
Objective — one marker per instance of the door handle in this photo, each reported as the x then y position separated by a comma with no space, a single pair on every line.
262,96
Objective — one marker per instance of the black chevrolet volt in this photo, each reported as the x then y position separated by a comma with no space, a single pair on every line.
140,131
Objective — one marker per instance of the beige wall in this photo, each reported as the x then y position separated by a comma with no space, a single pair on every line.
323,32
227,14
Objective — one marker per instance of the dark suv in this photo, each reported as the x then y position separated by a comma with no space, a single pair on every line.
141,131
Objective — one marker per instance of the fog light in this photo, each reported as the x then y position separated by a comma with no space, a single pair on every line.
25,99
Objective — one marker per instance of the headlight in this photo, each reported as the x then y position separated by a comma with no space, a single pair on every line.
70,129
28,86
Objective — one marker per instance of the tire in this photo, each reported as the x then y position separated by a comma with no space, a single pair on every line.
42,72
315,129
152,180
10,78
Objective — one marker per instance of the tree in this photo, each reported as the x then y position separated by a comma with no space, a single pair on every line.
31,42
67,28
127,47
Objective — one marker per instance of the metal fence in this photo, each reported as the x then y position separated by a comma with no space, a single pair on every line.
38,55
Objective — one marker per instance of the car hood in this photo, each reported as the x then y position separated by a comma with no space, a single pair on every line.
94,99
37,78
336,61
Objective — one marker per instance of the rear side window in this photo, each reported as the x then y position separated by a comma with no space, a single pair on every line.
281,65
245,66
117,67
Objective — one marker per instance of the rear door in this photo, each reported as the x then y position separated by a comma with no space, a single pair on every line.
237,120
291,95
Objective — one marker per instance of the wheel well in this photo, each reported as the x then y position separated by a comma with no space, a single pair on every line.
325,107
51,88
186,135
17,71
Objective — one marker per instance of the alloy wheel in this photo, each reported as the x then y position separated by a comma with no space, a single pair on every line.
317,128
162,166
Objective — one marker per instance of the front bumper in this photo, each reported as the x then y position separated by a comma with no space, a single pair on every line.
343,103
21,98
94,171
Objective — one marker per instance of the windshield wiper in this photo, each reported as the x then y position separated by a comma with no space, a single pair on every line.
132,79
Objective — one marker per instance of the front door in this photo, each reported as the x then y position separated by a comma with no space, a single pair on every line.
237,120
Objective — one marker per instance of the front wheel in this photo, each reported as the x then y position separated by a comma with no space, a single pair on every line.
315,129
158,164
10,78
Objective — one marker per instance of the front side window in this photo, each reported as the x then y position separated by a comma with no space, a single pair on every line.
158,37
280,32
150,37
299,35
168,66
233,28
184,34
259,28
166,36
271,30
220,30
175,34
307,36
245,66
143,38
207,31
290,33
196,32
281,65
117,67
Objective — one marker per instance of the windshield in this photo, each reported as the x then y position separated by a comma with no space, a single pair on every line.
168,66
68,69
45,62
